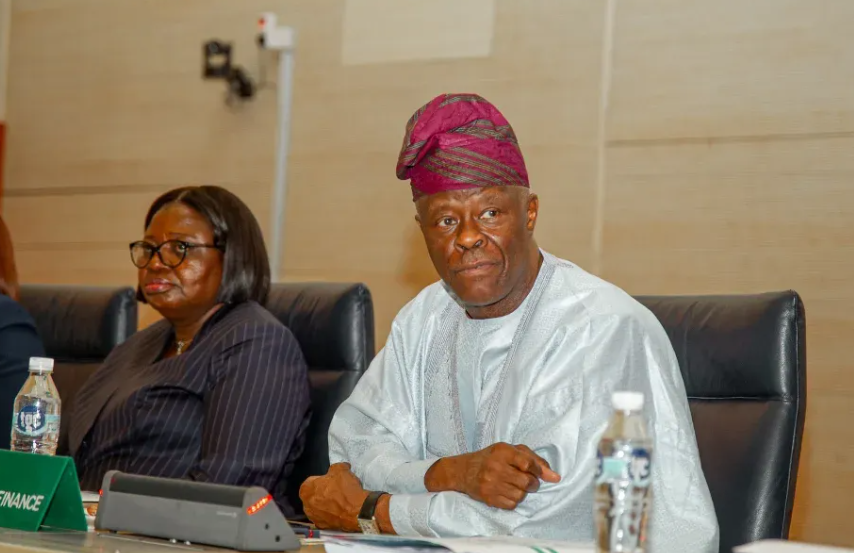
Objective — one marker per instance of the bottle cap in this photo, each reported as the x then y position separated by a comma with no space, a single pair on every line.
627,401
41,365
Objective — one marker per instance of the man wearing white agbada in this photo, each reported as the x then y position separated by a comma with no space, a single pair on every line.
482,414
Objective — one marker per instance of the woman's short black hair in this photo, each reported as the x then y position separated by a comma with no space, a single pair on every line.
245,265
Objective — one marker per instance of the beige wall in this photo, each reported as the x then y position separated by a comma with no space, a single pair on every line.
678,147
5,27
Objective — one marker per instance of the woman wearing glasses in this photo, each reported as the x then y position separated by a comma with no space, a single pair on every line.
217,391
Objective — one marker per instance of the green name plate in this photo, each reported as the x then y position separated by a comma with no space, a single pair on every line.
39,492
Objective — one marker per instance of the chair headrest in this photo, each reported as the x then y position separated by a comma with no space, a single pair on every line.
81,324
333,322
748,346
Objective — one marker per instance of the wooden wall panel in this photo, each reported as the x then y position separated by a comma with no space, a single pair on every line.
348,127
36,219
5,27
751,218
116,106
96,142
95,265
701,68
2,158
114,215
729,169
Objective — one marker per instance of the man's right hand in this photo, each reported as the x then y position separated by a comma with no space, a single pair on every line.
500,476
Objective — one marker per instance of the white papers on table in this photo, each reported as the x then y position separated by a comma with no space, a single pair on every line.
90,497
508,544
781,546
361,543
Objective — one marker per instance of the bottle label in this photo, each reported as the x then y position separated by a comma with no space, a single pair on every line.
33,421
625,478
636,468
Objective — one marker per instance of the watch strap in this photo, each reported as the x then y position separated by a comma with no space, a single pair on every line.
369,507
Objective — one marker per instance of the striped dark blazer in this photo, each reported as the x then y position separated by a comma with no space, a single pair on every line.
232,409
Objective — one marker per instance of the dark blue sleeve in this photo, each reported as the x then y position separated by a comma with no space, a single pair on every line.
18,342
256,409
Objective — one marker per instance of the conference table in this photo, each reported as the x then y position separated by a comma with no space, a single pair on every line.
14,541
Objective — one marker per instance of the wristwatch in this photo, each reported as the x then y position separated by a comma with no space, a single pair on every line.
367,520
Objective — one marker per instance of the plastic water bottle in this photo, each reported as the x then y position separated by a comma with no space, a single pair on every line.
624,466
35,421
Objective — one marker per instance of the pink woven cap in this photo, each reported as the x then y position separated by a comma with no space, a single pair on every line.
459,141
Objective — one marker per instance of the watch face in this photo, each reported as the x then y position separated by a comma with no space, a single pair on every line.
369,526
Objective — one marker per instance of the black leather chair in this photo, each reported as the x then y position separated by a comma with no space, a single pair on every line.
743,359
79,326
334,325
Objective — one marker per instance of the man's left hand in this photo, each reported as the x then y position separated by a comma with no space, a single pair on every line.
333,501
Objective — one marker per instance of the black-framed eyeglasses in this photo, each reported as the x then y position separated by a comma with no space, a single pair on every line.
171,253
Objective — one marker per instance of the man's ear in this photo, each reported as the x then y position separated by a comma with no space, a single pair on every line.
532,211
